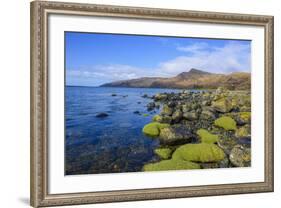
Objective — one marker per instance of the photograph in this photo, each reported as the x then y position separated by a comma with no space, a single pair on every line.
142,103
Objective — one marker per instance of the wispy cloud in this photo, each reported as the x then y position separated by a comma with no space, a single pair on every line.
231,57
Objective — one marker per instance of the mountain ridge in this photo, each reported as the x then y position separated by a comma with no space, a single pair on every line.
192,79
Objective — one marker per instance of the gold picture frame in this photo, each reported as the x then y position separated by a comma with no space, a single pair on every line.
39,103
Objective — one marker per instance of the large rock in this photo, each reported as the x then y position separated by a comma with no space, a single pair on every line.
199,153
191,116
240,156
160,97
177,116
150,106
163,152
166,110
227,143
207,115
172,164
226,122
177,134
222,105
207,137
153,129
162,119
244,131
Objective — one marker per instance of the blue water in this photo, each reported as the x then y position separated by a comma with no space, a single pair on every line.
111,144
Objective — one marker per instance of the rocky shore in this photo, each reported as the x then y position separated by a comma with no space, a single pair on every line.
201,129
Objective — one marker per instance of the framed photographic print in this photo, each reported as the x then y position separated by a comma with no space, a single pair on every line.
139,103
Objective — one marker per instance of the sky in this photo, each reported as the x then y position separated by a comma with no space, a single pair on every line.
92,59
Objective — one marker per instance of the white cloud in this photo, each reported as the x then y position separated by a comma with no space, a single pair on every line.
230,58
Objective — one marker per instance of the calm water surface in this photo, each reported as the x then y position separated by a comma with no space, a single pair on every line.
111,144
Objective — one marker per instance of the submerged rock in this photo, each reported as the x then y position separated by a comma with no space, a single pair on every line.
172,164
226,122
199,153
101,115
113,95
207,137
163,152
150,106
240,156
153,129
176,134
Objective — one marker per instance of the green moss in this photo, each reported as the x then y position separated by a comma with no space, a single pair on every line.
157,118
172,164
226,122
245,116
153,129
145,114
207,137
164,153
199,153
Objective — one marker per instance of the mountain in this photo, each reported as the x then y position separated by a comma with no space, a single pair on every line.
192,79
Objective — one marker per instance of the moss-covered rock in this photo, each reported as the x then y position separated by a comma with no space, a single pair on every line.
227,143
166,110
244,117
199,153
207,137
222,105
162,119
163,152
244,131
226,122
153,129
172,164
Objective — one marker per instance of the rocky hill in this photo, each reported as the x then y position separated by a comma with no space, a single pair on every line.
193,79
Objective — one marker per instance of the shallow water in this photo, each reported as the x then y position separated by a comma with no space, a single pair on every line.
111,144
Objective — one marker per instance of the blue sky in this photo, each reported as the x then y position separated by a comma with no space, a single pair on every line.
94,59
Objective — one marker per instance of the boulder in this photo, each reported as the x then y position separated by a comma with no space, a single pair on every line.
177,116
227,143
160,97
191,116
199,153
222,105
207,137
176,134
207,115
226,122
153,129
240,156
163,152
171,164
150,106
166,110
162,119
244,131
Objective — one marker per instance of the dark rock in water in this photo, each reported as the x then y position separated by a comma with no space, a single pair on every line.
139,102
136,112
101,115
150,106
177,134
240,156
160,97
113,95
145,96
